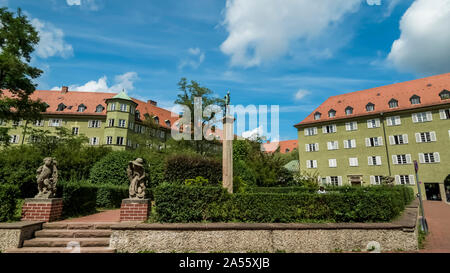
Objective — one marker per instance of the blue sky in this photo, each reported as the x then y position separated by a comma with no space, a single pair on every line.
289,53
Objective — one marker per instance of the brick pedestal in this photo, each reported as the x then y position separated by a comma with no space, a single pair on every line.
45,210
134,210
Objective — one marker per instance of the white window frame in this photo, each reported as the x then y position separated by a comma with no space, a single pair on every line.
14,139
123,107
332,163
353,162
95,123
349,143
94,141
311,164
122,123
329,129
422,117
373,123
375,179
333,145
429,158
351,126
52,123
310,131
393,121
109,140
75,131
376,141
444,113
38,123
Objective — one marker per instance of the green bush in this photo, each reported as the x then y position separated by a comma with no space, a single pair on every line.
9,195
79,198
295,189
176,203
110,196
182,167
112,169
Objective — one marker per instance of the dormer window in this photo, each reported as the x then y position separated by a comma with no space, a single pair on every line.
370,107
61,107
445,94
138,114
349,110
415,100
167,122
317,115
393,103
99,108
156,119
331,113
81,108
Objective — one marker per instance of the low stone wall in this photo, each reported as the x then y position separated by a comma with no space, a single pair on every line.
12,235
247,237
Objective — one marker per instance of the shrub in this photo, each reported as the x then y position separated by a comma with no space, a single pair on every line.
110,196
176,203
182,167
79,198
245,172
198,181
9,195
112,169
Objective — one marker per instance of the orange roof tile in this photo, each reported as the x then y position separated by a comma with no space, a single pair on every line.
427,89
72,99
271,147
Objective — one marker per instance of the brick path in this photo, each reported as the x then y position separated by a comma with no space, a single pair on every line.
438,219
105,216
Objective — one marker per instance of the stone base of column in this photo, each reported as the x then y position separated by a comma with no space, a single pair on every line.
134,210
42,209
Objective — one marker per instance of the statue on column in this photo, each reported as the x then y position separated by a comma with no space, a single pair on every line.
227,102
47,177
137,176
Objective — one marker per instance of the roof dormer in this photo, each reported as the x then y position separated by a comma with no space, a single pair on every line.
349,110
317,116
331,113
370,107
393,103
445,94
61,107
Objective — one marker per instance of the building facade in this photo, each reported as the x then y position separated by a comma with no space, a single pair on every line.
360,137
108,119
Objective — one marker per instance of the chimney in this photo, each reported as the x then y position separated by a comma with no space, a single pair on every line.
152,102
64,89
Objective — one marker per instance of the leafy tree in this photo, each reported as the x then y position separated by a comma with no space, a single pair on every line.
17,40
189,91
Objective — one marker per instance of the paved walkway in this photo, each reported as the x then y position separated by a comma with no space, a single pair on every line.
438,219
105,216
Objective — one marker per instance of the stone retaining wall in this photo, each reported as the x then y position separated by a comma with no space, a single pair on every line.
247,237
12,235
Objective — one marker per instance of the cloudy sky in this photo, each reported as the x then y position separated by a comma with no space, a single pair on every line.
291,53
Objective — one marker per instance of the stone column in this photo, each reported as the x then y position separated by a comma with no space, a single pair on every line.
227,153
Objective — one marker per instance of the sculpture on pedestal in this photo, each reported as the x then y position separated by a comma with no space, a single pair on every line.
47,177
137,176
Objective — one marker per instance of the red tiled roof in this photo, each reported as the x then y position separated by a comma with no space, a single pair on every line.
427,89
72,99
271,147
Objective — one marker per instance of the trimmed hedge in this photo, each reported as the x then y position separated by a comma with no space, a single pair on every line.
176,203
8,196
182,167
112,169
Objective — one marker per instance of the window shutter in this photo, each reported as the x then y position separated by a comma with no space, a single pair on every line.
421,158
340,180
324,129
353,143
391,140
369,124
394,159
398,121
308,164
377,123
328,180
306,132
380,141
442,113
367,142
329,145
411,179
336,145
389,121
437,158
370,161
347,126
378,159
314,163
315,130
414,118
418,138
334,128
372,180
429,116
317,146
405,138
345,144
433,136
397,179
307,147
408,159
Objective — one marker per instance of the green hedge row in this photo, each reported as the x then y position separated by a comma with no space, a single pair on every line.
182,167
8,197
193,204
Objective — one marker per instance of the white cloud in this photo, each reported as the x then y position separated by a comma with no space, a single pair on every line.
253,134
51,40
73,2
195,59
423,46
262,30
301,93
121,82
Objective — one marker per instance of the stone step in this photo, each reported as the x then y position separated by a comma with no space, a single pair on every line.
64,242
73,233
61,250
78,225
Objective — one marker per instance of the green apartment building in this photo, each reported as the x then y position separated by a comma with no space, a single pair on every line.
359,137
108,119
